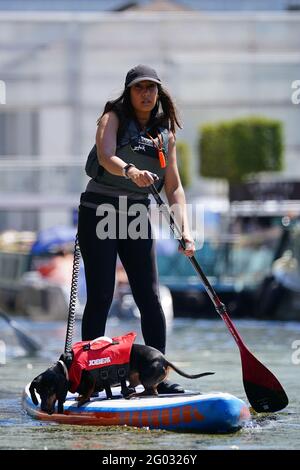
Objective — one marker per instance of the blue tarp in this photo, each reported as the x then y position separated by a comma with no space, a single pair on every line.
53,239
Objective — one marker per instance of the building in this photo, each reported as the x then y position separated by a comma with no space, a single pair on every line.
60,67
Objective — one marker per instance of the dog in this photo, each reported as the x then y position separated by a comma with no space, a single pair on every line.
147,366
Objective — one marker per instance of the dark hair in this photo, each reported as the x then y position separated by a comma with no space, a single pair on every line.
167,117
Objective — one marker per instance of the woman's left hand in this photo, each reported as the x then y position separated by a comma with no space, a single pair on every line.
189,246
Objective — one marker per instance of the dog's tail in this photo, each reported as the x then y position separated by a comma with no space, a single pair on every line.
188,376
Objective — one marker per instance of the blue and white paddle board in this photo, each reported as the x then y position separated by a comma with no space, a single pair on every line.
209,413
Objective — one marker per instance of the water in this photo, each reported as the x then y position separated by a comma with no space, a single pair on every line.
196,346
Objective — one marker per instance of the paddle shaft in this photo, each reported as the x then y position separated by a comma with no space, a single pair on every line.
219,306
28,343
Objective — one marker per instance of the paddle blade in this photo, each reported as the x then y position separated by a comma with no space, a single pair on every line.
263,390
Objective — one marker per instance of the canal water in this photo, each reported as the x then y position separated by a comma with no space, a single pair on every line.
194,345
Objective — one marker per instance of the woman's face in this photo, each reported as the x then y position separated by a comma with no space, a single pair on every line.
144,96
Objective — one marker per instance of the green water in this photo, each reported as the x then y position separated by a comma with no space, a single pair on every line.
196,346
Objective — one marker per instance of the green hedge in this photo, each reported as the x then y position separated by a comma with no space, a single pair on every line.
235,149
184,162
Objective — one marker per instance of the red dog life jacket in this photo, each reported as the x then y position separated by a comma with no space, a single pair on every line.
110,355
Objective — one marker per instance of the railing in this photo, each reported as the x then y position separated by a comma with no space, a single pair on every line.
12,266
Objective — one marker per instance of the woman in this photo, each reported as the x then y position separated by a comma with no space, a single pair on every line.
135,148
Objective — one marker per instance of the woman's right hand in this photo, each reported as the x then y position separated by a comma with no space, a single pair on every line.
142,178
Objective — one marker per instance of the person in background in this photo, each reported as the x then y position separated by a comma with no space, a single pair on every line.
135,148
58,268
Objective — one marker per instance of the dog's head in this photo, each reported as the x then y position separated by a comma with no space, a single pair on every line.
52,386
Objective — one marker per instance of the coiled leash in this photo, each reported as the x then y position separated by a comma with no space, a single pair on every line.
73,296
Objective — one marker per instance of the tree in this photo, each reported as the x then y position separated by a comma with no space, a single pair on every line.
184,162
235,149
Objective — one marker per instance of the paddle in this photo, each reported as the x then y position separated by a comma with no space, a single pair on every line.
28,343
264,392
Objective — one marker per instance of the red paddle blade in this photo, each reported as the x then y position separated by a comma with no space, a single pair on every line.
264,392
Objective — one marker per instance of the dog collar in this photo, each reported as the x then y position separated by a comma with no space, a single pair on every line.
64,368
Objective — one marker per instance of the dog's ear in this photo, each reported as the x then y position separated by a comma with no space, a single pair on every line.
62,389
62,394
32,388
60,407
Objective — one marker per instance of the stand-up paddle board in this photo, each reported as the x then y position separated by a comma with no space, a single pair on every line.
210,412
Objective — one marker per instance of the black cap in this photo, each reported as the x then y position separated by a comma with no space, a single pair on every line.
140,73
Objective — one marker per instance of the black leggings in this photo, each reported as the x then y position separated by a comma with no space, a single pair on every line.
139,261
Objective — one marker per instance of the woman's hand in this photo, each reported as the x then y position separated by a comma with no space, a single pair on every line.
189,246
141,178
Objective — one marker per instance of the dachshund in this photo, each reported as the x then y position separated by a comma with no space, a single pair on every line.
147,367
